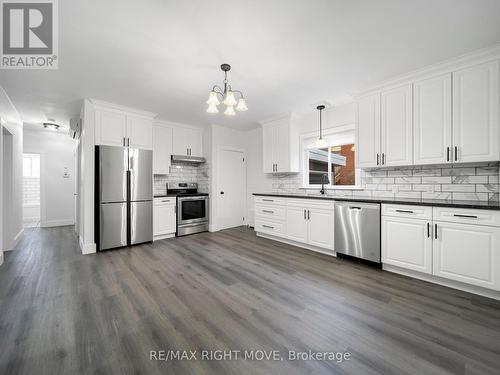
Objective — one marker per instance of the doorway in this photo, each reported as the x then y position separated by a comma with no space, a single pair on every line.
31,190
231,191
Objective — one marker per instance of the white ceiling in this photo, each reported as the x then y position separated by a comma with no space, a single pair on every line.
164,55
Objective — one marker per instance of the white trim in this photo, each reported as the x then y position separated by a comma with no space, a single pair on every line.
101,104
212,228
171,124
87,248
270,120
163,236
469,59
15,240
448,283
297,244
56,223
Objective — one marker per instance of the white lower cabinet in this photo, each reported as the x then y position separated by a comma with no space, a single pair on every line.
164,217
467,253
455,247
321,227
296,224
407,243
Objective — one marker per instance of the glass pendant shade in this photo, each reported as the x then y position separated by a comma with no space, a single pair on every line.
229,111
213,99
212,108
242,105
320,143
230,100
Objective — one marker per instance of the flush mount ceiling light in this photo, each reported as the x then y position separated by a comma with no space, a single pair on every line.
51,126
226,95
320,142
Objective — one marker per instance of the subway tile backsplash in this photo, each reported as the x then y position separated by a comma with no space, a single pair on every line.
183,172
479,181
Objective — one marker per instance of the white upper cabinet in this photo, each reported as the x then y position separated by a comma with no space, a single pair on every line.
281,153
396,126
140,132
432,120
162,149
476,107
187,141
110,128
121,126
368,131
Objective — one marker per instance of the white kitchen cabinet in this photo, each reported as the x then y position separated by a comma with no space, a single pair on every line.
467,253
407,243
110,127
139,132
296,224
280,140
187,141
162,149
432,143
396,126
476,113
165,217
368,131
321,227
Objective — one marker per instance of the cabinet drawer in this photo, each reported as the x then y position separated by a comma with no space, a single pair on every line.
270,211
310,203
410,211
164,201
467,216
270,200
268,226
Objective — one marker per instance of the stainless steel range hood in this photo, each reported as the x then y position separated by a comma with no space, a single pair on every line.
189,159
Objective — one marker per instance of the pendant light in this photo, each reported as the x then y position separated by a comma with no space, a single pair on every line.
227,96
320,142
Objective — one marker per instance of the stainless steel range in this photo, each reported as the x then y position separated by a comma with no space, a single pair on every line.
192,208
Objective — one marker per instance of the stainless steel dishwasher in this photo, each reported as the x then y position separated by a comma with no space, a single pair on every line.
357,230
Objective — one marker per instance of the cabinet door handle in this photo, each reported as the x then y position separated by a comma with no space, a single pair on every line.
305,215
447,153
466,216
128,142
354,208
267,226
383,158
187,151
308,215
267,200
435,231
405,211
166,200
428,230
456,153
124,144
378,158
268,211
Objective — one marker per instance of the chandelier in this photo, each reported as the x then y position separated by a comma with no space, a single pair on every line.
227,96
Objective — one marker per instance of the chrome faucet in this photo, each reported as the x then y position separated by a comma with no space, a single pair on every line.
324,180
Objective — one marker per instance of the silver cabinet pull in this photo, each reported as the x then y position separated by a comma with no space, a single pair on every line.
428,230
435,231
267,226
128,142
268,211
383,158
305,215
405,211
456,153
466,216
378,158
124,144
308,215
267,200
447,154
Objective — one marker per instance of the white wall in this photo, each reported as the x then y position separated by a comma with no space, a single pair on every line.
256,179
57,152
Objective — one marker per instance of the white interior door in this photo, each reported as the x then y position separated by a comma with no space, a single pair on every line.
231,184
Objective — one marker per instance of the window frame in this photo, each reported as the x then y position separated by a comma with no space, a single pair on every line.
304,151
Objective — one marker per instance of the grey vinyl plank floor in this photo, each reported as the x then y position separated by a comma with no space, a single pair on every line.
65,313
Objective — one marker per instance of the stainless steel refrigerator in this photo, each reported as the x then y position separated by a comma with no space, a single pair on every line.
124,196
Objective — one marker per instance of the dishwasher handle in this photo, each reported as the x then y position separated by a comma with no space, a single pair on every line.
354,208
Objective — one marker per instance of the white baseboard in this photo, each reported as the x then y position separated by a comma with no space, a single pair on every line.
15,240
57,223
212,228
87,248
298,244
163,236
439,280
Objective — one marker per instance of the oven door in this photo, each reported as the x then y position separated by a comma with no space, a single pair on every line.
192,210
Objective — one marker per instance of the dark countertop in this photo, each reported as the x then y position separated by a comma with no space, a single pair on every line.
165,196
418,202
